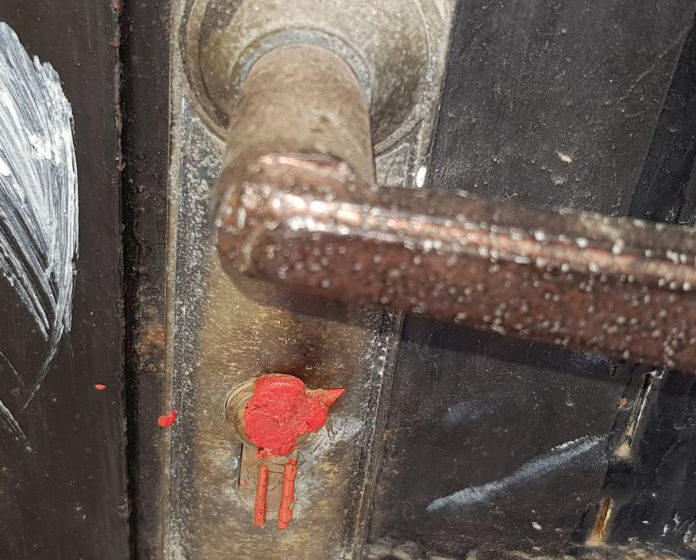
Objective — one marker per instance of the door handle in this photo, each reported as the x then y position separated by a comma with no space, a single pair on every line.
297,205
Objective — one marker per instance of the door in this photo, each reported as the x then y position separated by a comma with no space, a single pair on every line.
124,341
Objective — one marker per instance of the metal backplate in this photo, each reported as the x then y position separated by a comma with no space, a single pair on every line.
394,47
217,338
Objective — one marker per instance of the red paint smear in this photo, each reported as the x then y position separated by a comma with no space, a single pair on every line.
288,500
166,420
280,411
260,503
327,397
100,387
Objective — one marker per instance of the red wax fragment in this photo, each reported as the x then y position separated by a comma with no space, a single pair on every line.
167,420
288,500
328,397
100,387
260,502
281,410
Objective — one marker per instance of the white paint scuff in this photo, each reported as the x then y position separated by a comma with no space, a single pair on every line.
38,197
9,420
539,466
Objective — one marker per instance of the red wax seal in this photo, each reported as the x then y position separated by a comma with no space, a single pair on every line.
281,410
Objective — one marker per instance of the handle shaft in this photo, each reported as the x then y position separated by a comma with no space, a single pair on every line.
291,214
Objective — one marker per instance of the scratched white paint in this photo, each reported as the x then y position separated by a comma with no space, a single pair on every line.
539,466
684,527
38,198
9,420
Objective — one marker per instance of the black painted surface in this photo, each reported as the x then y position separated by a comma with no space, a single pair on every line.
145,59
67,499
471,410
530,82
653,491
548,103
664,193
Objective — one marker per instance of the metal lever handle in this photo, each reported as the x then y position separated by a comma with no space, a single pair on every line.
292,210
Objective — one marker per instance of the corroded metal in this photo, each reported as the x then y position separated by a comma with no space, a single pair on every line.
219,338
296,204
396,49
616,286
303,99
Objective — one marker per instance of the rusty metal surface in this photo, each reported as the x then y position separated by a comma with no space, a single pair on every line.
303,98
616,286
396,49
221,338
